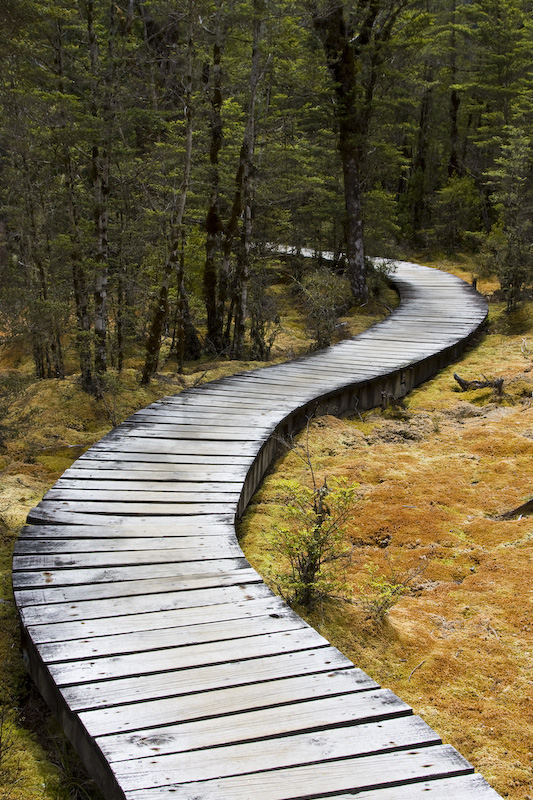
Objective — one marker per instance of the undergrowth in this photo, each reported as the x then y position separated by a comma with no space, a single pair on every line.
435,477
44,426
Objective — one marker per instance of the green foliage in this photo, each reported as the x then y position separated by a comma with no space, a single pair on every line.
325,295
310,544
265,323
383,589
508,248
380,272
380,593
382,231
457,213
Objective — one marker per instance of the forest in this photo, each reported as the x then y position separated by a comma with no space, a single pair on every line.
157,157
154,152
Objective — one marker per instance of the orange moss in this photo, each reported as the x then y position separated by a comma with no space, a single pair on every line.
459,646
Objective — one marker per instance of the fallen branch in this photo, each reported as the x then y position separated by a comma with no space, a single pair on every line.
466,385
414,670
522,511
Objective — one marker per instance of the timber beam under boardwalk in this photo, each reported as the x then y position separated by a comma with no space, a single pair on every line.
174,670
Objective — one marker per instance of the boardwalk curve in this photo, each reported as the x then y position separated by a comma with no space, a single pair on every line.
175,672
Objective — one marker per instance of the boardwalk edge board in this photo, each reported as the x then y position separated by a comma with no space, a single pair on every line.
173,669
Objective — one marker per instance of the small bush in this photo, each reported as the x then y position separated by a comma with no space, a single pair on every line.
310,544
325,296
382,590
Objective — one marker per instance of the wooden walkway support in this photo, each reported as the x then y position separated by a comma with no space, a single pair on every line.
174,670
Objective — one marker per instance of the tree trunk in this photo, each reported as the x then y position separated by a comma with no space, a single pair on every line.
339,45
79,280
213,222
455,101
354,50
101,169
174,263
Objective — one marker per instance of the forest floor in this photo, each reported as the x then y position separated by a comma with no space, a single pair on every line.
431,478
44,426
434,478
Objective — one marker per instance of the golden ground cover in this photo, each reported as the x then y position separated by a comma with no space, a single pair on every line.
433,479
44,426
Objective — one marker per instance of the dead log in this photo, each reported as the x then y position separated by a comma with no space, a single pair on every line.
497,384
524,510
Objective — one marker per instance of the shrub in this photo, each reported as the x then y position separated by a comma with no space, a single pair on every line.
310,544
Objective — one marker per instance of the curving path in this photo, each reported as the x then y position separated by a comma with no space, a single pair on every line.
174,670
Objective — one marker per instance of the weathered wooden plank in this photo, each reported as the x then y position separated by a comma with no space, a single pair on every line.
172,658
28,545
167,716
178,636
135,526
134,471
345,710
466,787
44,614
34,589
122,691
277,753
193,531
350,774
235,608
87,560
132,508
168,430
134,484
121,495
233,463
181,447
129,582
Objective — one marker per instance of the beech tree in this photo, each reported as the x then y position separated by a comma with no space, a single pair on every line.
355,39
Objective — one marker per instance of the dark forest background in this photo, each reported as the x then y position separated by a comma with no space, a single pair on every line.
153,153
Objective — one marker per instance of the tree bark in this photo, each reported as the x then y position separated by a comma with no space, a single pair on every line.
174,264
101,169
213,222
353,39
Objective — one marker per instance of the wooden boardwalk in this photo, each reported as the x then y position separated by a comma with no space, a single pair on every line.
173,669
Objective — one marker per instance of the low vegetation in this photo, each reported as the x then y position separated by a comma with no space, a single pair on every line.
44,426
438,590
437,598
